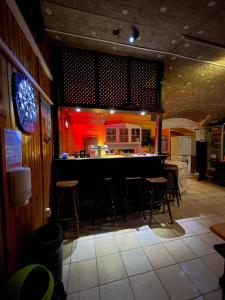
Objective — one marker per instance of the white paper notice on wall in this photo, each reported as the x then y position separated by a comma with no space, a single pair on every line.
13,149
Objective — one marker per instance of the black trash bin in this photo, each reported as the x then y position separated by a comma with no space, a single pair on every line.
47,249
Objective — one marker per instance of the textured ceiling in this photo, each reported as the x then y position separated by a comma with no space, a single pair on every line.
189,36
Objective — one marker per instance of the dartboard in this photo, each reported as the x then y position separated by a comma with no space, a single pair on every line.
25,103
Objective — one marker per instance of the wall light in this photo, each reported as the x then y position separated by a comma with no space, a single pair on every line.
112,111
78,109
66,124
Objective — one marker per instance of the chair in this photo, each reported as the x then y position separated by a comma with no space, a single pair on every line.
67,191
170,172
157,188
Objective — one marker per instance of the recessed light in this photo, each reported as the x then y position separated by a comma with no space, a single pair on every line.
174,57
173,42
159,55
201,32
186,45
78,109
163,9
142,113
57,37
125,12
179,76
189,83
199,57
114,48
170,67
112,111
211,3
186,27
48,11
93,33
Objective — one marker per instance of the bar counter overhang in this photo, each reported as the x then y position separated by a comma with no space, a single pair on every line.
115,166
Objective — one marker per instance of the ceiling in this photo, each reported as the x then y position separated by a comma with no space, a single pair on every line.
189,36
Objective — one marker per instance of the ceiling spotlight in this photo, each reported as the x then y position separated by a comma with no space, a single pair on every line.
112,111
142,113
134,35
116,31
78,109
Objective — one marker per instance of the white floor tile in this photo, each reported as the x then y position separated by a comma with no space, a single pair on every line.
67,250
110,268
165,234
82,250
90,294
103,235
201,275
179,251
211,238
158,256
135,262
196,227
106,245
117,290
198,246
127,242
177,284
65,275
82,275
216,295
147,286
215,262
147,237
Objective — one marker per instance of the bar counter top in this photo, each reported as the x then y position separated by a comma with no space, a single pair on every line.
115,156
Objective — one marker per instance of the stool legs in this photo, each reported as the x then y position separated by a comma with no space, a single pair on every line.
157,197
76,220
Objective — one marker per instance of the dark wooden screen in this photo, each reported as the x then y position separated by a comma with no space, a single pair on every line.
98,80
144,92
112,81
78,71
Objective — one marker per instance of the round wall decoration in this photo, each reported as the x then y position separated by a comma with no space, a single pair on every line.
25,103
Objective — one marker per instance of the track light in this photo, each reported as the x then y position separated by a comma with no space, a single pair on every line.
134,35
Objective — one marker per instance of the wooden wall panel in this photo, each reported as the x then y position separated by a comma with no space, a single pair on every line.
21,221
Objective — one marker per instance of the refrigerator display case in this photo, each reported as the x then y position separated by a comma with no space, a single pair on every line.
215,142
181,150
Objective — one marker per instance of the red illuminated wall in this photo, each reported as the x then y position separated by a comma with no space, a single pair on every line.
82,125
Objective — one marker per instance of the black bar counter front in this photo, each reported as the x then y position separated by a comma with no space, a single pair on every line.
91,172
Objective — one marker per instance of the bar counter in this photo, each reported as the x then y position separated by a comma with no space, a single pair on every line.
91,172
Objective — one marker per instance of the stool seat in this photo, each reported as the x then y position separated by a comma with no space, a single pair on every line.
67,191
156,180
133,178
67,184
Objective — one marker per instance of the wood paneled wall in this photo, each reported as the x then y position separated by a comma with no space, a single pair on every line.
17,223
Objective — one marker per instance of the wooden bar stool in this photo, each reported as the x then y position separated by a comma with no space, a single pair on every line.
134,189
171,174
64,188
157,187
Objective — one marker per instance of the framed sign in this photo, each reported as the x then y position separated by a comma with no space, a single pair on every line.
13,148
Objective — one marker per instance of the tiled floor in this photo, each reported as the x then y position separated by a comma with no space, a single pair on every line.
168,261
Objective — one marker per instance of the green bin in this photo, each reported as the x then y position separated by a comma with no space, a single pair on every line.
34,282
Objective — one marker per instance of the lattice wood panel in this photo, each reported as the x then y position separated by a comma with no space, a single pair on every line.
112,81
78,69
144,88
